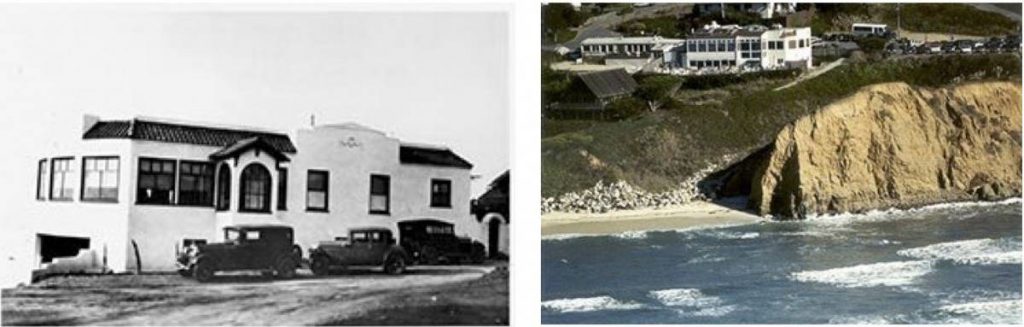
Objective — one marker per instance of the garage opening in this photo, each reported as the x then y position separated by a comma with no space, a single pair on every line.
53,246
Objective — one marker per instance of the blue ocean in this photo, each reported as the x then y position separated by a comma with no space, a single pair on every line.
950,263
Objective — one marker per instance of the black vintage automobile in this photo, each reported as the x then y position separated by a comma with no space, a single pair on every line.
267,248
366,247
431,241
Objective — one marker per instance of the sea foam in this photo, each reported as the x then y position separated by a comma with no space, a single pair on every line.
990,312
690,301
587,304
970,252
868,275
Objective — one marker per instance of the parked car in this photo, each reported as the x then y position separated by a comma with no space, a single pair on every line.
933,48
964,46
433,241
267,248
364,247
948,47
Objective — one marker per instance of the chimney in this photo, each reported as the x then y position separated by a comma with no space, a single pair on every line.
88,121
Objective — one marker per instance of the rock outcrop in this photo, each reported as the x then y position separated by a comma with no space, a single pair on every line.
893,145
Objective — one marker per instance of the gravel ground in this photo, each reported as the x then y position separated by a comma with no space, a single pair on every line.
255,300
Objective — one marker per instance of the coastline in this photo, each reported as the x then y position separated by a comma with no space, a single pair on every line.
696,214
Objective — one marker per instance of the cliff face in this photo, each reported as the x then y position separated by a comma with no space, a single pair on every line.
892,145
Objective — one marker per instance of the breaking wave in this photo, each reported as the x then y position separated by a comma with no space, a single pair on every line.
690,301
631,235
970,252
879,215
868,275
588,304
989,312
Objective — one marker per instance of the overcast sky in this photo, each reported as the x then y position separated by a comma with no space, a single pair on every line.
425,77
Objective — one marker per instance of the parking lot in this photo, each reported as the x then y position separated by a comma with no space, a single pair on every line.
469,294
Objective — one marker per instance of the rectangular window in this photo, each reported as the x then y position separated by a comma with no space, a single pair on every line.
42,180
744,46
731,45
156,181
196,183
100,178
380,193
721,46
691,46
316,190
60,180
441,193
282,189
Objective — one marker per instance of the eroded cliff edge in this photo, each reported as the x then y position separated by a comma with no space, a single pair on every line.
890,145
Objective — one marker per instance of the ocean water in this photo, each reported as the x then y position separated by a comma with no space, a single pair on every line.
953,263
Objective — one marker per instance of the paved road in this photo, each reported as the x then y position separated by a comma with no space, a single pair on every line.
233,300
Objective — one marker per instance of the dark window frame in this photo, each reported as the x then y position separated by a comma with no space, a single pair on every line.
386,193
65,174
42,175
243,182
326,189
282,189
446,196
209,201
100,198
222,187
174,183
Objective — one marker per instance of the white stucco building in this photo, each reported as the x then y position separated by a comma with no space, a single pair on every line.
715,47
155,185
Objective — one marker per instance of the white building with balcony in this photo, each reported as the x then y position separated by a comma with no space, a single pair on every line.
133,191
728,47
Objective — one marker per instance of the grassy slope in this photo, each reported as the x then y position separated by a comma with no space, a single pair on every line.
656,151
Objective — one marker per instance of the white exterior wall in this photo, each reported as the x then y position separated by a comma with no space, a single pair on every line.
350,155
103,223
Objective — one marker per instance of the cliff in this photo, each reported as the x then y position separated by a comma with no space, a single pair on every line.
893,145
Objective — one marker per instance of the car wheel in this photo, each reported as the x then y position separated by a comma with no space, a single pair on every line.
185,272
203,271
285,268
319,266
394,265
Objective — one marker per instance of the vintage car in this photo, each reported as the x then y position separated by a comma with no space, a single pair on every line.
267,248
364,247
432,241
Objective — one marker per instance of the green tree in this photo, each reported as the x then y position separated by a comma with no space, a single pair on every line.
657,91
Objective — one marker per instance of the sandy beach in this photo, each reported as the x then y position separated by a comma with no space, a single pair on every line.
691,215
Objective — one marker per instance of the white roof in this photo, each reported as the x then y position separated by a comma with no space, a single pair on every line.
630,40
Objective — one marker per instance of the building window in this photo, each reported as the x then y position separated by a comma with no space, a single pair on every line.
441,193
317,182
195,186
282,189
100,178
380,193
255,189
223,187
731,45
156,181
60,180
691,46
42,181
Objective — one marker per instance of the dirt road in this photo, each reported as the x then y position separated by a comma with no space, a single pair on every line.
234,300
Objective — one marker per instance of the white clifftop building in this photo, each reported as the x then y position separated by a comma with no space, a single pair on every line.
151,186
716,47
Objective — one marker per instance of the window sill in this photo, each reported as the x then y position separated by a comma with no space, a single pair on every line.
381,213
112,201
195,205
254,211
62,200
440,207
317,210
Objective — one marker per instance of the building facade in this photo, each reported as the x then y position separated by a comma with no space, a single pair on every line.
135,191
716,47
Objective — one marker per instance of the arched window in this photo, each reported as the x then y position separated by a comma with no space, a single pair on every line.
255,189
223,187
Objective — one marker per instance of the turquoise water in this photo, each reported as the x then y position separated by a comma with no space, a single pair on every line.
957,263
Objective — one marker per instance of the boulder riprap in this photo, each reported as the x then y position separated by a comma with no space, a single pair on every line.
620,195
893,145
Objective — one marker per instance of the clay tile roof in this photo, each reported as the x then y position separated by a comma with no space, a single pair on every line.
246,144
138,129
409,154
609,83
